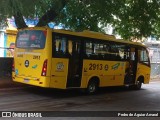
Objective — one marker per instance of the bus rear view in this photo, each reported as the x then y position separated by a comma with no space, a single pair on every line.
31,58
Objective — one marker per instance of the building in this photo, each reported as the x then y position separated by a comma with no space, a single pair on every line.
154,54
154,51
2,39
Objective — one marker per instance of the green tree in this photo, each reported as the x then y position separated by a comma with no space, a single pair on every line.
130,18
46,10
138,18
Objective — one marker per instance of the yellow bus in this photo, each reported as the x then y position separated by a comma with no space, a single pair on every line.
65,59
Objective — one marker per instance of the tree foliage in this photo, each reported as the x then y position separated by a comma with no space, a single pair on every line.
138,18
129,18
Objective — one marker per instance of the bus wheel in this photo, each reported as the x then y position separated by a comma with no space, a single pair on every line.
138,85
92,87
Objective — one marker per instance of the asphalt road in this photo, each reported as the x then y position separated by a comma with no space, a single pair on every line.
28,98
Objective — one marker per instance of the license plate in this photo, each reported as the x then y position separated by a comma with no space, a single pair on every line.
26,80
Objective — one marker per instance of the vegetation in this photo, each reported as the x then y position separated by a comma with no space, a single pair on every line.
129,18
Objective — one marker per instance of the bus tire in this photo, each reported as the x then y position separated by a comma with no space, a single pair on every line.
138,84
92,86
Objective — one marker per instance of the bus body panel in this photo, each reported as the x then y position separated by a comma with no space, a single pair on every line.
28,66
110,73
59,73
143,70
28,63
43,82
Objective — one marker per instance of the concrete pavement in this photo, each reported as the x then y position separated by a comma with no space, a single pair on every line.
6,82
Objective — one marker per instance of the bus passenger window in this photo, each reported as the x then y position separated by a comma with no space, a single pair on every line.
106,49
60,46
88,49
91,50
114,52
144,57
133,56
99,51
123,52
70,47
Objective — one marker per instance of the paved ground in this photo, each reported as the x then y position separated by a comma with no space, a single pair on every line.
6,82
32,98
109,99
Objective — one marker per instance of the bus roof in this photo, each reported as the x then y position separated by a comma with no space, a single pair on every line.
96,35
88,34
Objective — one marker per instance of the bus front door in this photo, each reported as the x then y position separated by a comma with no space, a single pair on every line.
75,66
132,68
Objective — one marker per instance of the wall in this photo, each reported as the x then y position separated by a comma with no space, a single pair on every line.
155,69
2,37
6,66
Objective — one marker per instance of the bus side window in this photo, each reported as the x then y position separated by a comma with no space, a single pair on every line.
60,46
114,52
55,46
127,53
69,48
88,49
123,53
107,50
75,48
59,49
143,57
100,51
91,50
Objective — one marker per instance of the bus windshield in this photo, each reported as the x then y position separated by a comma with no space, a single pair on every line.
31,39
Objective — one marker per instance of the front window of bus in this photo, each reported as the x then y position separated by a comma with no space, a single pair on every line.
31,39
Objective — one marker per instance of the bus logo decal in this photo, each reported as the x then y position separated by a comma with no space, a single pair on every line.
114,67
16,71
26,63
34,66
60,66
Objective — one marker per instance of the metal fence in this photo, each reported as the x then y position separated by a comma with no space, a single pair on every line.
154,54
155,61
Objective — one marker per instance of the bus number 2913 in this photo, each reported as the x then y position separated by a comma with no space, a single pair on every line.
93,66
